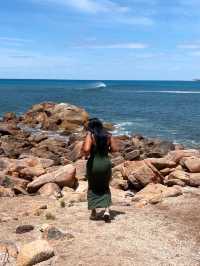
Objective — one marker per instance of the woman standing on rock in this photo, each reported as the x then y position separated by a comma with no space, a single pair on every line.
98,143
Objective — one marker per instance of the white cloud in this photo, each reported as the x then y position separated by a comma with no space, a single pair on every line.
189,46
135,20
131,45
149,55
196,53
13,41
92,6
112,10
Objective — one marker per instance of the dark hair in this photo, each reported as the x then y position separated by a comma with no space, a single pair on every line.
95,126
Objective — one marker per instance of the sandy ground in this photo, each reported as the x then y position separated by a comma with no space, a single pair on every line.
164,234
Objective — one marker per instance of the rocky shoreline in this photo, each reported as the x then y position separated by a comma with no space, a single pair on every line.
40,154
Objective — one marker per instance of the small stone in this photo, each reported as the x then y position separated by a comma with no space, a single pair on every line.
53,233
43,227
43,207
21,229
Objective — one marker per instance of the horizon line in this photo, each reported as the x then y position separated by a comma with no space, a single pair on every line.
61,79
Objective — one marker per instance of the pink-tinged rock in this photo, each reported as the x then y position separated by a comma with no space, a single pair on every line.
53,116
30,172
119,184
34,161
192,164
49,189
172,182
142,171
64,176
194,180
116,160
75,152
180,175
161,163
177,155
26,168
155,193
80,166
167,171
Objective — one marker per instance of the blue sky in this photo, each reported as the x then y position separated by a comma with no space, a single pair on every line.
100,39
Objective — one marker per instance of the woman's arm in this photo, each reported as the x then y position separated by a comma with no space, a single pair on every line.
113,145
87,144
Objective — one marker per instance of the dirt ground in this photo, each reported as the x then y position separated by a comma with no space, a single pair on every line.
164,234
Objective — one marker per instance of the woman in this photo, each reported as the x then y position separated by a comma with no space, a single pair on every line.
98,143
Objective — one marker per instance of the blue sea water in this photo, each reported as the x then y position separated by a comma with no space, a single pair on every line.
165,109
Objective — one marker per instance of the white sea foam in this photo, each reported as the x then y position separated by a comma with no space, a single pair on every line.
100,85
121,128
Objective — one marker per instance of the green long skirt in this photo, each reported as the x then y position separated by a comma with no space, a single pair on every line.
99,174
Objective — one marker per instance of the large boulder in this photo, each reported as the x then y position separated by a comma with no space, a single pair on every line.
154,193
192,164
180,175
116,159
132,155
177,155
80,166
12,147
161,163
49,189
141,172
64,176
34,252
194,180
75,151
63,116
8,129
26,168
162,147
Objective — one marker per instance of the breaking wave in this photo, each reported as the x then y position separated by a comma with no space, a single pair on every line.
100,85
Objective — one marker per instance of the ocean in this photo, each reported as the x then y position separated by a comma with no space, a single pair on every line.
165,109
